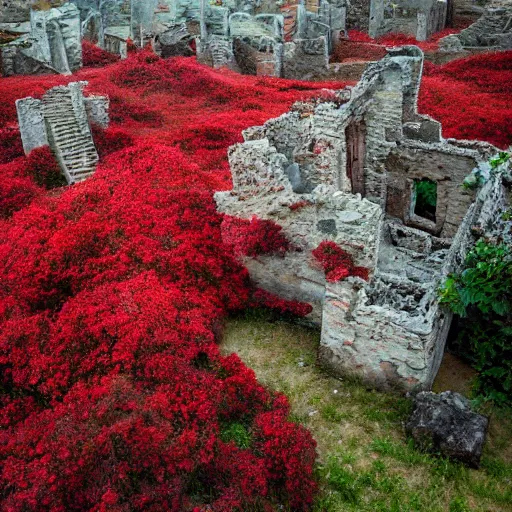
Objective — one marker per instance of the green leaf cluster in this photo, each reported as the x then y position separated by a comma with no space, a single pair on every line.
502,158
426,194
482,295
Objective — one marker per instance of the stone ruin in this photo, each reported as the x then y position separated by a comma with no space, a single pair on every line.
260,37
418,18
492,31
61,120
291,41
247,35
50,43
349,171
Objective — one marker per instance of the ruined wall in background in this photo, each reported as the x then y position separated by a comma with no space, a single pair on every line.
16,11
419,18
493,30
305,59
358,15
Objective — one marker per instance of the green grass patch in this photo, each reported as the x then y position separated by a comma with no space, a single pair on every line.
365,462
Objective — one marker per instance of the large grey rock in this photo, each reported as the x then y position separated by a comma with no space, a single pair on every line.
445,423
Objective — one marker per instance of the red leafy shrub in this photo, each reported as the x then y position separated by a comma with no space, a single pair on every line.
272,431
114,393
110,140
293,308
396,39
44,169
246,476
254,237
337,263
242,395
96,57
122,112
10,144
17,190
125,275
15,194
491,72
143,70
480,86
111,444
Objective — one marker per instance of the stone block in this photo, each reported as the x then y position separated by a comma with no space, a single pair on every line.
446,424
32,125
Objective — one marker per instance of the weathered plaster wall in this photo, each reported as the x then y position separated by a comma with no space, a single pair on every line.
392,332
16,11
61,120
448,167
54,44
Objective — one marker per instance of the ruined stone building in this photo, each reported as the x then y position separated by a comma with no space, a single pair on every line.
50,42
61,120
353,174
419,18
255,37
492,31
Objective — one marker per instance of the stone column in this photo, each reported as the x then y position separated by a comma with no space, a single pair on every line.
376,17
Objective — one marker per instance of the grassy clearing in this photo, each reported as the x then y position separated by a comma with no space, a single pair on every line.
365,461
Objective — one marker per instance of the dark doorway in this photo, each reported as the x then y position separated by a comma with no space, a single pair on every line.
425,199
355,135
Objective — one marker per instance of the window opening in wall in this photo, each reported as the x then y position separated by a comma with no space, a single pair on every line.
425,199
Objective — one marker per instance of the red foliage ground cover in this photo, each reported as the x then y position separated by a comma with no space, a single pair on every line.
337,263
112,294
95,57
471,97
254,237
114,395
360,46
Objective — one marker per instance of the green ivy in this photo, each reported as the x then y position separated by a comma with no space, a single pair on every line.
482,295
502,158
426,194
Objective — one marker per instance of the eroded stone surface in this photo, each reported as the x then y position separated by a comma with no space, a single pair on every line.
419,18
446,424
492,30
347,171
61,119
54,44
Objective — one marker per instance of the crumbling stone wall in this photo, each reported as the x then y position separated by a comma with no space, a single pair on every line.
419,18
246,31
304,59
492,30
471,8
446,166
18,11
61,120
344,171
15,11
54,44
358,15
